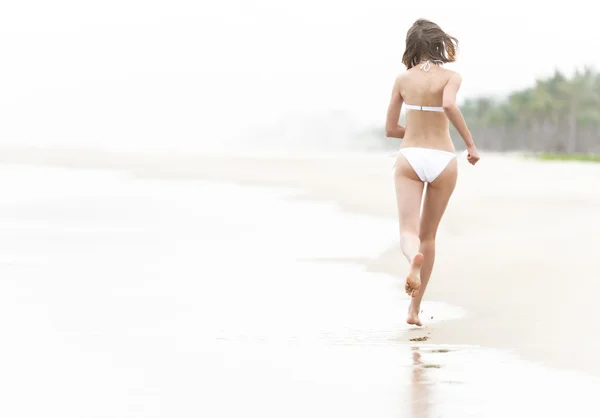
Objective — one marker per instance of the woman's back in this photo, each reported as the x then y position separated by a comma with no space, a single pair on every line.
428,93
427,128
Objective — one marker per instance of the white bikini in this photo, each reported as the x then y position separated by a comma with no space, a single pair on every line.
427,163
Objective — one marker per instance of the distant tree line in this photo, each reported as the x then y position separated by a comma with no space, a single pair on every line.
557,115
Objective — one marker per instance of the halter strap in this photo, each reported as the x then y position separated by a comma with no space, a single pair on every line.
426,66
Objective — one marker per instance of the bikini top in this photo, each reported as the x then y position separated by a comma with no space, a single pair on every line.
426,66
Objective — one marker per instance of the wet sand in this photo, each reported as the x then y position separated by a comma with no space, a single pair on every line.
516,250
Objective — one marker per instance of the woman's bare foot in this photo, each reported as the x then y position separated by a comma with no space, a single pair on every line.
413,280
413,316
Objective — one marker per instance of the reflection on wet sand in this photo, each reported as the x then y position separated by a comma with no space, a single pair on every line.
419,388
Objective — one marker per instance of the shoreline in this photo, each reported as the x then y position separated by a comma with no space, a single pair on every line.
516,223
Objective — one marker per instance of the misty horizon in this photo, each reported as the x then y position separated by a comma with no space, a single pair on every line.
135,75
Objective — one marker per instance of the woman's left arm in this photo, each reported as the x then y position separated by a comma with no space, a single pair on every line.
392,128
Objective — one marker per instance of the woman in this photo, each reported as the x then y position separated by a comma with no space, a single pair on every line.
427,154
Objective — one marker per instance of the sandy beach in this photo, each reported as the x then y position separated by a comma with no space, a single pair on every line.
516,254
516,248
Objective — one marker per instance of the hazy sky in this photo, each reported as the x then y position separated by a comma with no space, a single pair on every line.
88,72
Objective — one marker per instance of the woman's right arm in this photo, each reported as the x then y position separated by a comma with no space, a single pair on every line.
455,116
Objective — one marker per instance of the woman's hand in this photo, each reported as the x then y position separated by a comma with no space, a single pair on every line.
472,155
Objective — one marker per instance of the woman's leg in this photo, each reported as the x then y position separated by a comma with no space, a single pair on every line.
436,200
409,193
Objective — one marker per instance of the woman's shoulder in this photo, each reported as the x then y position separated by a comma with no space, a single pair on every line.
400,80
452,75
402,76
406,77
